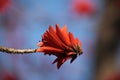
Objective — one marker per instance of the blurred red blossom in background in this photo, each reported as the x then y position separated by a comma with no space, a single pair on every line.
114,76
8,76
83,7
60,43
118,3
4,4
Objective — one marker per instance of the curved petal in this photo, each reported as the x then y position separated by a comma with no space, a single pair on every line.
54,40
40,44
62,35
60,61
49,49
78,42
72,40
53,34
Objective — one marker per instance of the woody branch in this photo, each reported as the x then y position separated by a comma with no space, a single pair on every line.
16,51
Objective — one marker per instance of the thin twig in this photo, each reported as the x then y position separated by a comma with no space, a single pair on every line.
16,51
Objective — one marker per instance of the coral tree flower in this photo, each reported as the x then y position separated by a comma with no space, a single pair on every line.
60,43
4,4
83,7
8,76
114,76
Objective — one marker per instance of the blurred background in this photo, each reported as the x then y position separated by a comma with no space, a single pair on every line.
95,22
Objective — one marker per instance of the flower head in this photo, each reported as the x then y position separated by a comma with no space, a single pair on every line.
8,76
113,76
4,5
60,43
83,7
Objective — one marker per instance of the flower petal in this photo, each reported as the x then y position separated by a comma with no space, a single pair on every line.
48,41
78,42
65,33
62,35
52,30
59,61
72,40
40,44
73,58
49,49
70,53
55,41
54,36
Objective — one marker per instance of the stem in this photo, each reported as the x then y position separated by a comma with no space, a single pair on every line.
16,51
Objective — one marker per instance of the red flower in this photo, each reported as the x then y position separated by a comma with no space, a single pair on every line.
61,44
83,7
117,3
114,76
8,76
4,5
